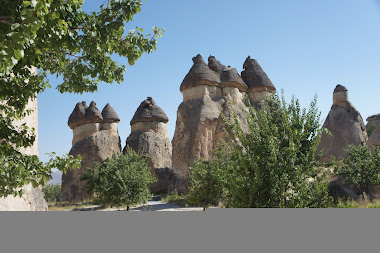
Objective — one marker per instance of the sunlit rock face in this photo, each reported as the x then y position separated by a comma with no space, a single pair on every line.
259,84
208,90
346,126
96,138
149,137
33,198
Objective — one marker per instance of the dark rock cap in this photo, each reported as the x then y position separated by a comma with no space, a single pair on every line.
215,65
77,117
199,74
149,111
92,114
374,117
229,77
340,88
109,114
255,77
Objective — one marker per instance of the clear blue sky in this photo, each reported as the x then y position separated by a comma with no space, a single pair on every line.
306,48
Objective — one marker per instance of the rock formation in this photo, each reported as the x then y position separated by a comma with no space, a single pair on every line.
257,81
33,198
345,124
207,91
149,137
373,123
96,138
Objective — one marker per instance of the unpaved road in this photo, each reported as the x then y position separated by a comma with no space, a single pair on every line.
152,205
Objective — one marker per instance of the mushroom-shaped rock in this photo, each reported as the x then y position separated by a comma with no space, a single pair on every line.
199,74
92,114
255,77
148,111
346,126
109,115
149,137
77,117
229,77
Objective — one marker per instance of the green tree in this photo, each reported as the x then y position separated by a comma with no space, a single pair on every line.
361,167
207,181
272,163
122,180
57,37
51,192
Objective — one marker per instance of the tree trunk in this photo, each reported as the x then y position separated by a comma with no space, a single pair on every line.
127,208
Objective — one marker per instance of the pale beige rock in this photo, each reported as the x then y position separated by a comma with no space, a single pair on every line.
96,139
199,126
346,126
149,137
94,148
32,199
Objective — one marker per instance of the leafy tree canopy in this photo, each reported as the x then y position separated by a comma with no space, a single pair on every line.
121,180
269,164
57,37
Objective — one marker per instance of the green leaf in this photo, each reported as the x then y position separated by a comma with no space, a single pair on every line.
19,54
26,3
15,26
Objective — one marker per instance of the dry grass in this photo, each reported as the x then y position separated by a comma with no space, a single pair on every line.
66,206
362,202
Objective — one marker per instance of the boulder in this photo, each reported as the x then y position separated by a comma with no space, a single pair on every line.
346,126
149,137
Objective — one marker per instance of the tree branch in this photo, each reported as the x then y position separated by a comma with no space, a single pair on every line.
6,22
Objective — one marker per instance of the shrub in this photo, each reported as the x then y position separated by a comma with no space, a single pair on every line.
361,167
272,163
207,182
122,180
51,192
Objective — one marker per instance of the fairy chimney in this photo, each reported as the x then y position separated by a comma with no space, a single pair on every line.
345,124
149,137
96,138
208,90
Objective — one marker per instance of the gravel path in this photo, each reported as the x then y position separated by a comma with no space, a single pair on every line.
152,205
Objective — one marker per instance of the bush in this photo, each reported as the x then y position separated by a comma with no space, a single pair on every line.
122,180
207,182
361,167
51,192
272,164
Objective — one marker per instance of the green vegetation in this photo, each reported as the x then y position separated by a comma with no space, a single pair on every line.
270,165
371,128
122,180
362,202
57,37
361,167
207,181
51,192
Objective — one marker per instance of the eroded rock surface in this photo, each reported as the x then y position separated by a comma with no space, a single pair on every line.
96,138
373,123
346,126
33,198
207,90
149,137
